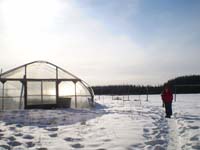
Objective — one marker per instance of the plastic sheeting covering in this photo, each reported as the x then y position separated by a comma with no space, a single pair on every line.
41,79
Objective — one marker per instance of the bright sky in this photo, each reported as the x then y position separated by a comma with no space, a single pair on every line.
104,41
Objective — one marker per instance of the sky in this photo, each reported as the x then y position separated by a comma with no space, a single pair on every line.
104,42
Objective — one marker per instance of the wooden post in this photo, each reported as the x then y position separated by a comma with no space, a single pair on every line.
147,90
128,91
42,92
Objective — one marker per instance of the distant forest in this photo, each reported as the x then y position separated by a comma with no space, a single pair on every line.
179,85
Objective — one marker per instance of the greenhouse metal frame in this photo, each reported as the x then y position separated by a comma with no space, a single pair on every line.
41,81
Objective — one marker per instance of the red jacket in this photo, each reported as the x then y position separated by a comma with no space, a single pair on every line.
167,96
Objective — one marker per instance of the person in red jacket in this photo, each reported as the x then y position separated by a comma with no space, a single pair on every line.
167,98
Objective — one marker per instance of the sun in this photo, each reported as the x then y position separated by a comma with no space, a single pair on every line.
30,23
20,15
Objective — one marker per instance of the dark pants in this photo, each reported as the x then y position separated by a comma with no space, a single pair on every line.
168,109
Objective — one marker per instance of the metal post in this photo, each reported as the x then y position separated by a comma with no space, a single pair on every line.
57,91
25,88
1,72
3,97
25,94
57,86
20,102
75,95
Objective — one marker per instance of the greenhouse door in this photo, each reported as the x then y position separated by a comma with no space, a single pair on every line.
41,94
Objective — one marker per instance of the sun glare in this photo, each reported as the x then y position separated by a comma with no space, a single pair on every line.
21,15
66,89
28,23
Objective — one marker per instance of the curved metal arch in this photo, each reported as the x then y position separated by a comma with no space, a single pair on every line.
39,61
88,87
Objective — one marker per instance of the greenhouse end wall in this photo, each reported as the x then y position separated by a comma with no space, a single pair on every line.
42,85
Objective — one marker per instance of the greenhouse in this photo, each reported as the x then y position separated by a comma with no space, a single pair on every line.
41,84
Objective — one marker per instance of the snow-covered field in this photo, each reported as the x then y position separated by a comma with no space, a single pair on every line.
113,124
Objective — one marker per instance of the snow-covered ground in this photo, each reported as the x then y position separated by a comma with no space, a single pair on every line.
113,124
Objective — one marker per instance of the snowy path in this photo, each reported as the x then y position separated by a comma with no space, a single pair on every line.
173,135
114,125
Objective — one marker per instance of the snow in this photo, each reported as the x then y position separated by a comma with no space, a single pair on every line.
113,124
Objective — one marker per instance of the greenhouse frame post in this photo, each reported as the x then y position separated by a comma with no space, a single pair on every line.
21,94
25,88
75,95
57,86
25,94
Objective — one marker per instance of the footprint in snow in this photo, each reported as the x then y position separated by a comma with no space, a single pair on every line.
139,145
14,143
1,130
195,138
5,147
52,129
69,139
18,134
78,145
193,127
53,135
146,130
12,128
94,145
8,123
42,148
107,140
155,142
197,146
28,137
158,147
11,138
19,125
30,144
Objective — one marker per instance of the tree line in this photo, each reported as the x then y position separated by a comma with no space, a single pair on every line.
180,85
